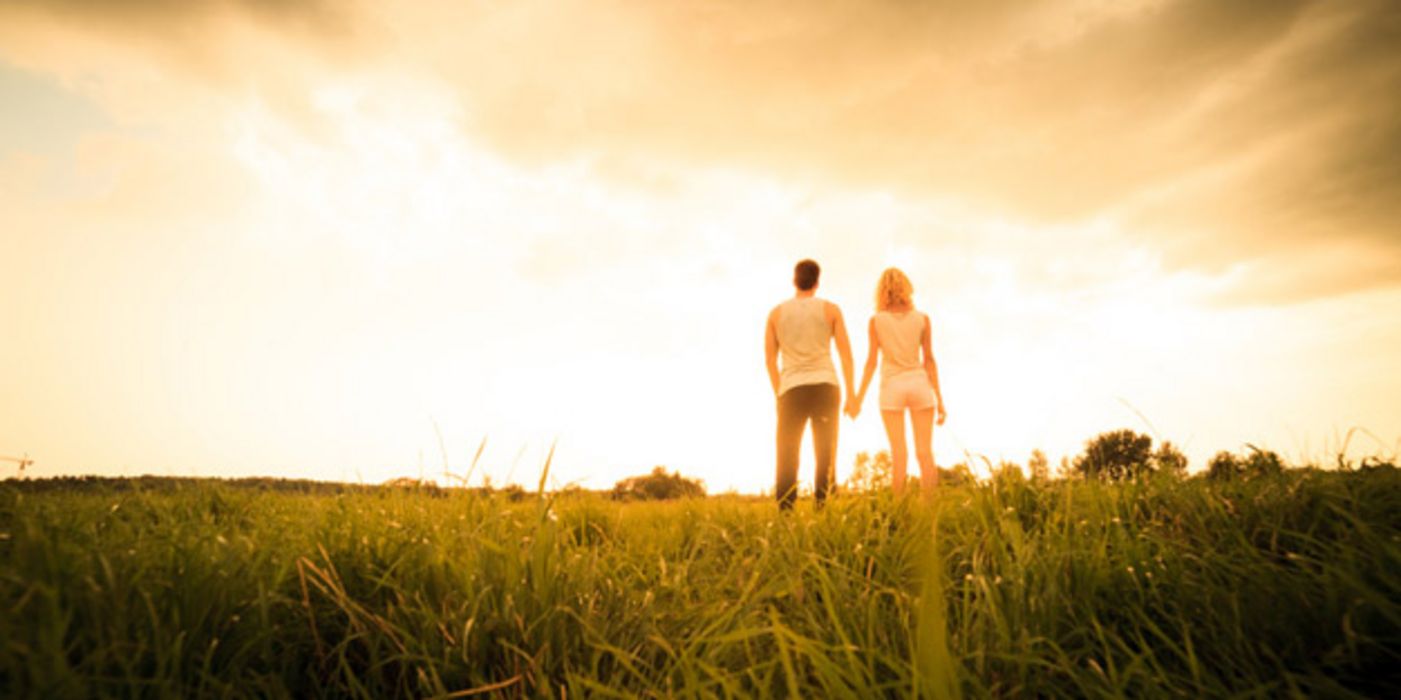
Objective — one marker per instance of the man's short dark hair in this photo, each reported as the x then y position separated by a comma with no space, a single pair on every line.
805,274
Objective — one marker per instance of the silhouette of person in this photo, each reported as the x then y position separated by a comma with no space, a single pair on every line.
800,331
900,335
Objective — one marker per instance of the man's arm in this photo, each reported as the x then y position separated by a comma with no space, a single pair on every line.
771,350
844,351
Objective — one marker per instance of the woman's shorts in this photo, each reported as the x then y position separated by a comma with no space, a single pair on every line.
907,390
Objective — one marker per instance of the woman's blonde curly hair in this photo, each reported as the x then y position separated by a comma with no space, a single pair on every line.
894,290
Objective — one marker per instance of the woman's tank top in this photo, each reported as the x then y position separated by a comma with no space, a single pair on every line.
898,334
804,343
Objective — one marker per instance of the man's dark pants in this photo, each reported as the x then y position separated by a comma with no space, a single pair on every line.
819,403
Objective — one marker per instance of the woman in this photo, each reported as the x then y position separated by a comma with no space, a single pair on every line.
909,377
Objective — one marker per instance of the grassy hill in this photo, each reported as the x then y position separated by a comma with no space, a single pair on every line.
1270,586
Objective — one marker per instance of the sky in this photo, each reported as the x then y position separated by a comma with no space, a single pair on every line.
354,240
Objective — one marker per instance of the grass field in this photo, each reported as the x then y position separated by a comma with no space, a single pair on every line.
1268,587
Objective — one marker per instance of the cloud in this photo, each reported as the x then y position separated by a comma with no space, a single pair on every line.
1305,165
166,19
168,63
1219,133
1235,138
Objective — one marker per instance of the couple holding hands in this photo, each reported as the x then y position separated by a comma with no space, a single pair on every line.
800,332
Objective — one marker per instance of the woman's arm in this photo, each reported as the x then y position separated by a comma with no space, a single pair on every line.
932,369
872,346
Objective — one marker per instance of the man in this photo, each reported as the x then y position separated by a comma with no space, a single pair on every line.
801,330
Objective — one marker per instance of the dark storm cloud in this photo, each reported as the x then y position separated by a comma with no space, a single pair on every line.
146,14
1220,132
1317,139
192,38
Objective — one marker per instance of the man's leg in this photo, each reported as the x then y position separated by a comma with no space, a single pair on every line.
791,418
826,409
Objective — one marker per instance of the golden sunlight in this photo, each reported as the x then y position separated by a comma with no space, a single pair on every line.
305,251
720,348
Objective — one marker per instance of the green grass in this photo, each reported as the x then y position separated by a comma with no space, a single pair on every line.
1271,587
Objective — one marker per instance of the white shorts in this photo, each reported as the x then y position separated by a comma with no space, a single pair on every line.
906,390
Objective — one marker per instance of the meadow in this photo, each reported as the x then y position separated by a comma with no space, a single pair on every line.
1274,586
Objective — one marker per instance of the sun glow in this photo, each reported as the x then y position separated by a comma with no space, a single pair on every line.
305,248
414,282
399,197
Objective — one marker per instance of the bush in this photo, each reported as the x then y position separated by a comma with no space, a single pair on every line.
658,485
1223,466
960,473
871,472
1039,466
426,487
1116,455
1257,462
1007,475
1169,460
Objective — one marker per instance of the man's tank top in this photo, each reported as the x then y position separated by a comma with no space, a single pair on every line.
898,334
804,343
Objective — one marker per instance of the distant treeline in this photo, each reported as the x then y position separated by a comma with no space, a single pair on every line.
1118,455
657,485
150,482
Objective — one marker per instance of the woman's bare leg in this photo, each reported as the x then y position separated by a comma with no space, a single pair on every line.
923,420
895,430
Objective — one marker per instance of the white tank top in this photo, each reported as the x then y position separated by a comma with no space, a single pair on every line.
898,334
804,343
